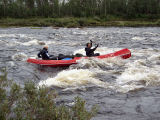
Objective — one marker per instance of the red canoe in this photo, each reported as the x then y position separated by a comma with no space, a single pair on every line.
124,54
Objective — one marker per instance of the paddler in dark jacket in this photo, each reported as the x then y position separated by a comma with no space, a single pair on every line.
89,51
44,53
45,56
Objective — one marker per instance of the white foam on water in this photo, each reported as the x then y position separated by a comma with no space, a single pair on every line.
36,42
132,75
137,38
49,42
79,33
8,35
11,64
150,33
134,72
144,52
154,58
24,36
127,88
16,36
81,51
96,63
19,57
138,75
76,78
32,42
73,78
34,57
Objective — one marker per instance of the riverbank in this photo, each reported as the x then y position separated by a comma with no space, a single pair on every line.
77,22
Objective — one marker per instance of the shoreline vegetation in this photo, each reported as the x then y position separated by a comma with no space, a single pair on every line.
71,22
38,103
79,13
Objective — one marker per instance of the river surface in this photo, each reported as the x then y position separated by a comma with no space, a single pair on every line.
123,89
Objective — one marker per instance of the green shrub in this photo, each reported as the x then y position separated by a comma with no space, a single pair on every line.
33,103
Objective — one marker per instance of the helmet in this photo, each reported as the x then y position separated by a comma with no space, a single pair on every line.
46,47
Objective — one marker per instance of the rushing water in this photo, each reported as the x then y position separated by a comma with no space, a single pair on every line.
123,89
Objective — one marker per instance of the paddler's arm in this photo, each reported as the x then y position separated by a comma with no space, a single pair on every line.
48,55
91,42
39,55
95,48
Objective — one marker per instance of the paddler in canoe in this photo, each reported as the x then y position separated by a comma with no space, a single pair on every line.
44,53
89,51
45,56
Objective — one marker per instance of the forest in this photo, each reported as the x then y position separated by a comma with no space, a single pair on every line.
128,9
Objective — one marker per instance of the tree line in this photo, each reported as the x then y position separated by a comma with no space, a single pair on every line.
79,8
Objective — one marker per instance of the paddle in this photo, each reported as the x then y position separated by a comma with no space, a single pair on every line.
94,43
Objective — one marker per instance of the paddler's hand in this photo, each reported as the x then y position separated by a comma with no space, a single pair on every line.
97,45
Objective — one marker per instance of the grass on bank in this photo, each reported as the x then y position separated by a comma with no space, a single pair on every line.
77,22
31,103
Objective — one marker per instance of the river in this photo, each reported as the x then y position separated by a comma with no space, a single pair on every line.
123,89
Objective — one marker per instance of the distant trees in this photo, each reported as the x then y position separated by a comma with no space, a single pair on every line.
137,8
79,8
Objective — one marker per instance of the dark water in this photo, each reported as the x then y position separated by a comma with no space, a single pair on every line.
123,89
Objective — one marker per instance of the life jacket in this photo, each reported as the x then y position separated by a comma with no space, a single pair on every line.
44,54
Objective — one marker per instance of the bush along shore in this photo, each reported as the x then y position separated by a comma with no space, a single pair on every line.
32,103
80,13
77,22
